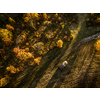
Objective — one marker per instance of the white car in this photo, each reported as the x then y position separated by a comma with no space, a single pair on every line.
65,63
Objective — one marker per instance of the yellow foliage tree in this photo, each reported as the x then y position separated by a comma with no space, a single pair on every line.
12,21
37,60
9,27
7,41
45,16
56,15
11,68
98,19
3,81
28,14
26,19
59,43
98,45
35,15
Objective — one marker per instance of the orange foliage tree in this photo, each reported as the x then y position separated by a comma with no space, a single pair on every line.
7,41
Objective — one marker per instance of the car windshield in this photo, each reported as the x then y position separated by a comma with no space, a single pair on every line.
64,64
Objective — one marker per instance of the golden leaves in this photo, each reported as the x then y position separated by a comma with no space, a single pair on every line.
27,43
9,27
3,81
56,15
26,49
21,54
98,45
62,26
11,20
98,19
16,50
7,41
23,37
28,14
59,43
45,16
17,70
26,19
36,15
37,60
92,14
12,69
